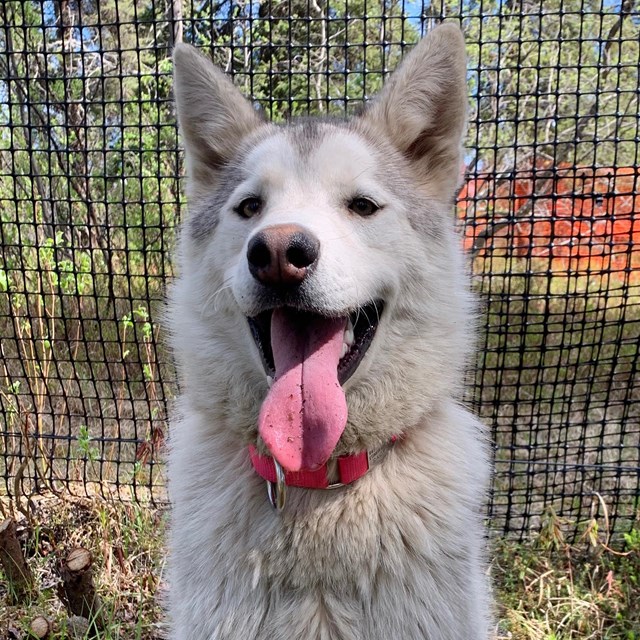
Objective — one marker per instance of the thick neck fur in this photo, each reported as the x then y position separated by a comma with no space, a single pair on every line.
365,562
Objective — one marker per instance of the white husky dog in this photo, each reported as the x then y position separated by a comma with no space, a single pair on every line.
321,322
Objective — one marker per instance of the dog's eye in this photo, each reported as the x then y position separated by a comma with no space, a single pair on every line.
363,206
249,207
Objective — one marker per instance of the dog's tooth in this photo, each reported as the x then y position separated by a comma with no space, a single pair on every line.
269,381
345,348
348,336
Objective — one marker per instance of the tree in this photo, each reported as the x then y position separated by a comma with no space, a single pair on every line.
554,84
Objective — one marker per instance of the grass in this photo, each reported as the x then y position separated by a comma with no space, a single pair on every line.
561,591
558,381
547,589
126,542
84,384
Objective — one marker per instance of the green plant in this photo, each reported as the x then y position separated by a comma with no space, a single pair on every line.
86,450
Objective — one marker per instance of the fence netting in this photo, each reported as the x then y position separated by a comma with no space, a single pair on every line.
90,193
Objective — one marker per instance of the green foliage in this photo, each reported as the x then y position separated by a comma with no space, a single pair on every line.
632,540
98,177
85,448
306,57
552,82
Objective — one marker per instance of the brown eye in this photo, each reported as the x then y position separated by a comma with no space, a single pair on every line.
363,206
249,207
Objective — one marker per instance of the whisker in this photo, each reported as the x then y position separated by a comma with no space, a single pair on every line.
366,315
211,299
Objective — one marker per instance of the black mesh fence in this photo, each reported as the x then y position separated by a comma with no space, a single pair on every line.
90,193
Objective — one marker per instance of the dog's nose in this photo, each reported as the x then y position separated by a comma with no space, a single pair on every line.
282,254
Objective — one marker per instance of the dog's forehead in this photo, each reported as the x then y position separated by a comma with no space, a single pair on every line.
324,153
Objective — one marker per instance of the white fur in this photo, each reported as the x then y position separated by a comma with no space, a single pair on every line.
400,553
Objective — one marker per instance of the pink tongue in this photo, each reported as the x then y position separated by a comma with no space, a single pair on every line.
305,411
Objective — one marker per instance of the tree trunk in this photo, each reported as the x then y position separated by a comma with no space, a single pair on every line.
77,591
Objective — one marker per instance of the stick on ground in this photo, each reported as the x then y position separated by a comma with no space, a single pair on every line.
16,569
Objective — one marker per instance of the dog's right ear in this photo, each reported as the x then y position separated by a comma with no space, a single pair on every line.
213,115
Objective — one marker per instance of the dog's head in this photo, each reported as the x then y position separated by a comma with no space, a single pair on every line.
322,300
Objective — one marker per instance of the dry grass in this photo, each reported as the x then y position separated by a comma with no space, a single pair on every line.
551,590
126,542
84,386
84,408
558,380
547,588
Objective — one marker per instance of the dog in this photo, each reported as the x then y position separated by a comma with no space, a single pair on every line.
326,483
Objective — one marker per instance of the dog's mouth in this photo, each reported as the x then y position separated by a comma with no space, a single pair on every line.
309,357
360,329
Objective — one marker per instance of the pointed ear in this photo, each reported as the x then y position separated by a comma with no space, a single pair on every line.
422,109
213,116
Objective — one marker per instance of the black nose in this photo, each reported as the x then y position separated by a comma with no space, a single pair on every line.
282,255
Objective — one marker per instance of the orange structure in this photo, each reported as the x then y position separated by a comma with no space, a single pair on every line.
582,219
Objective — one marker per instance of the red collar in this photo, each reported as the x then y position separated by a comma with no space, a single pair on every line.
350,468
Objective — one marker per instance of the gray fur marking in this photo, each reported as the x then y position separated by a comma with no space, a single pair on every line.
204,220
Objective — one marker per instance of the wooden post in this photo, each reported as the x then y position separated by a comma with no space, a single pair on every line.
77,591
40,628
16,569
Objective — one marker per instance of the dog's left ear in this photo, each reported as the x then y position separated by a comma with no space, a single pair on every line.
422,109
